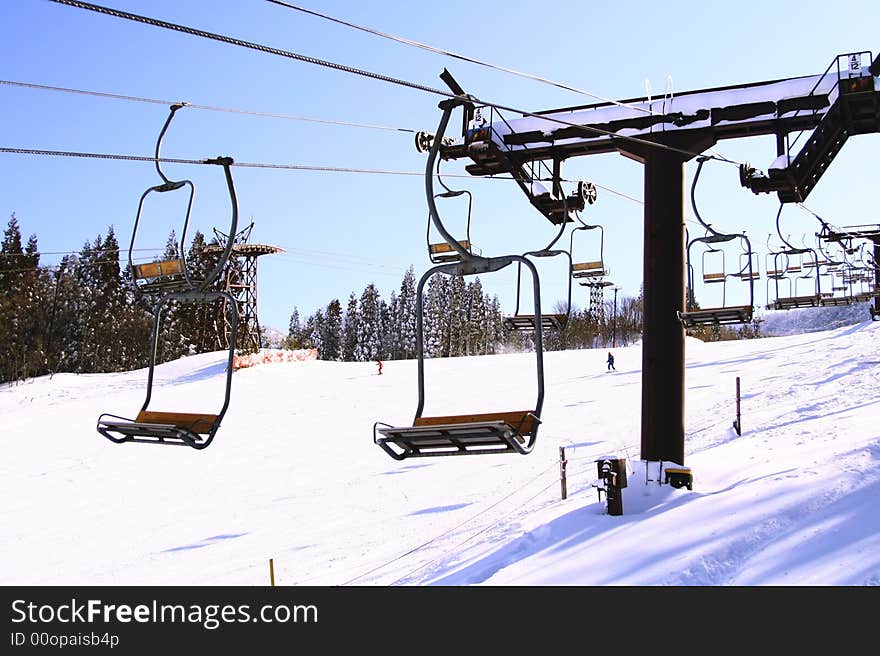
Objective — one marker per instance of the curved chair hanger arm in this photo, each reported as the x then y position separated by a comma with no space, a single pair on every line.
746,244
447,106
562,226
451,193
709,229
779,229
751,273
226,163
168,184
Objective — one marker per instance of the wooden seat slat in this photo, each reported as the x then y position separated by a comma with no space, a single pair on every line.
445,247
521,420
156,269
194,422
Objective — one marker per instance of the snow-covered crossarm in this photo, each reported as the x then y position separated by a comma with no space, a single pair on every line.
730,111
845,93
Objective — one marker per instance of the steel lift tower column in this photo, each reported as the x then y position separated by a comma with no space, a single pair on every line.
663,352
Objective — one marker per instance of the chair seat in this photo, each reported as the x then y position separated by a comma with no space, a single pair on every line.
497,432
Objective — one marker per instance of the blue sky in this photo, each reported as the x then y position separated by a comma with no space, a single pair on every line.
341,231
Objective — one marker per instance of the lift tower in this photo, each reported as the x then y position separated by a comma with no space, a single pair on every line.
239,279
663,134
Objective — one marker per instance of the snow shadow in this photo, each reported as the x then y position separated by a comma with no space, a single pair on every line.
404,470
205,542
440,509
202,373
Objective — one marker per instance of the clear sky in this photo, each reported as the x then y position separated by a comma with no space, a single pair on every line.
343,230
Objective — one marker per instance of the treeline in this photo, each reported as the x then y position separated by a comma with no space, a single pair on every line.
82,316
460,319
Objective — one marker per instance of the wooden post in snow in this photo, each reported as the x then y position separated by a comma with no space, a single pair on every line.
737,426
272,572
562,463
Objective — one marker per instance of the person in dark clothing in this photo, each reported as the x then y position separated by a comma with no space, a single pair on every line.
611,362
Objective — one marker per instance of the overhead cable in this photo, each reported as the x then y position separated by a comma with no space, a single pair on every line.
369,74
455,55
116,96
292,167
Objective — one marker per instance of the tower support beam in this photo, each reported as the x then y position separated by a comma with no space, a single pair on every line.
663,353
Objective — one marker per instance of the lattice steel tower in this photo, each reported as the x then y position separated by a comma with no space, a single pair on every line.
240,281
597,300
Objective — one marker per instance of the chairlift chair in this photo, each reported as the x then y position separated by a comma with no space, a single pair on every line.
748,267
528,322
475,433
586,272
790,261
442,252
152,279
713,272
793,264
557,321
172,280
195,430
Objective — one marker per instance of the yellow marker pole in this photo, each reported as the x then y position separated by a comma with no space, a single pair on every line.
271,572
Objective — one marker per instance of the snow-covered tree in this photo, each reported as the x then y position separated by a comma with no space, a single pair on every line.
350,329
391,328
331,335
406,320
369,325
435,315
294,337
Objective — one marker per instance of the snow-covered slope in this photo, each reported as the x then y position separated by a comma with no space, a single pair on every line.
294,475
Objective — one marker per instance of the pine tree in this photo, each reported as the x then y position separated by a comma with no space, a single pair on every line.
316,325
434,316
350,330
109,302
406,319
478,326
31,259
19,331
456,328
203,321
496,325
369,325
331,337
294,337
391,328
11,260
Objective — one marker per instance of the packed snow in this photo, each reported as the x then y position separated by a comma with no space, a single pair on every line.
293,475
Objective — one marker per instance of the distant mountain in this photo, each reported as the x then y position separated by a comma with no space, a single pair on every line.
272,337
